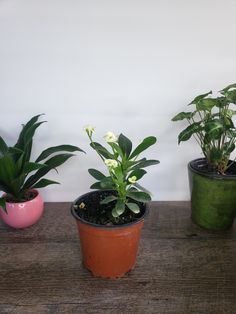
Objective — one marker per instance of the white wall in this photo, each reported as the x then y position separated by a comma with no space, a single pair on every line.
126,66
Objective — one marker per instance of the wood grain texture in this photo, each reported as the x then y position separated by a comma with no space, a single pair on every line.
181,268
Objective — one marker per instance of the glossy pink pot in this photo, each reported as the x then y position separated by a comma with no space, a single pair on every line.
25,214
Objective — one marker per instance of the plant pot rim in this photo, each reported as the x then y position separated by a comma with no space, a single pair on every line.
30,190
77,217
210,175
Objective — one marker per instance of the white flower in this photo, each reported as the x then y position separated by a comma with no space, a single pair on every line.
89,129
81,205
111,163
132,179
110,137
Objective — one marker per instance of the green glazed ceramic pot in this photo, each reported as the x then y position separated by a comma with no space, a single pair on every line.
213,196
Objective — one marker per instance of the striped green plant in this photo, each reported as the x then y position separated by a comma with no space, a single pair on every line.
211,123
18,174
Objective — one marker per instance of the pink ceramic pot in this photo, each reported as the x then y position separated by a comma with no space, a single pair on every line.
25,214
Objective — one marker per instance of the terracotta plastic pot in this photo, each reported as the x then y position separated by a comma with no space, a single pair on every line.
108,251
213,197
24,214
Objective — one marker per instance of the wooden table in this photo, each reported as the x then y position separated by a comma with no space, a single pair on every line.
180,268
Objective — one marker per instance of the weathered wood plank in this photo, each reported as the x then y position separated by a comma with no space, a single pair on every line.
162,306
165,220
180,268
167,270
172,220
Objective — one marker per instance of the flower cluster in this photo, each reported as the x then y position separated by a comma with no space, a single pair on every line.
111,163
89,129
110,137
132,179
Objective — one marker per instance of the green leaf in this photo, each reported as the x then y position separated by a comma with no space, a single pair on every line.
17,183
32,166
228,87
3,204
230,113
221,102
101,150
107,183
130,163
51,163
119,208
29,134
119,173
215,154
125,145
28,140
231,134
147,142
140,187
189,131
227,122
17,155
8,173
21,139
138,173
5,188
206,104
3,147
183,115
55,149
96,186
200,97
145,163
14,150
117,149
228,148
114,213
58,160
43,182
108,199
96,174
25,139
133,207
133,188
231,96
214,129
139,196
7,169
19,162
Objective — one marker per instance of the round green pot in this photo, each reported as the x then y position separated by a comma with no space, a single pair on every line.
213,196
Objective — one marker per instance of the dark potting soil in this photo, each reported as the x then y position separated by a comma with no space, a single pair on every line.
201,165
100,214
30,195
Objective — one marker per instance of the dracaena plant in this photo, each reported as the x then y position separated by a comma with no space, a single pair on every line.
18,174
211,123
125,169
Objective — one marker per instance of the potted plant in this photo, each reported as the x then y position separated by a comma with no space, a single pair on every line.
110,218
21,204
213,177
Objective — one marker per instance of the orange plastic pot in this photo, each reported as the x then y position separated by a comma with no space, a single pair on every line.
109,251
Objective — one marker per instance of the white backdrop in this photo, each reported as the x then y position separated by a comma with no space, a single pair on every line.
123,66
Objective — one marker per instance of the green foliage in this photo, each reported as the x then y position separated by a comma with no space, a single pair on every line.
211,124
18,174
124,168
